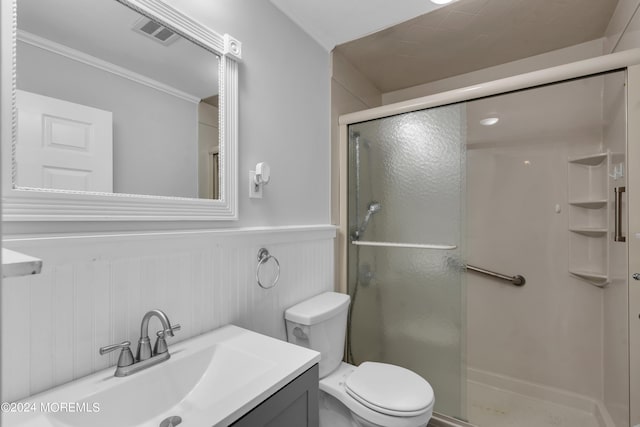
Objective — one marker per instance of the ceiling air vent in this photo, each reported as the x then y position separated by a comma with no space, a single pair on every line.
155,31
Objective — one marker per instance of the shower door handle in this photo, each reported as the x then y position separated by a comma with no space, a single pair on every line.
618,237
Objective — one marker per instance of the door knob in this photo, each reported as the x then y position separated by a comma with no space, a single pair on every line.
636,276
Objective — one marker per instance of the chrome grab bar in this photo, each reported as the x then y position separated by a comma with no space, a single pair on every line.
517,280
404,245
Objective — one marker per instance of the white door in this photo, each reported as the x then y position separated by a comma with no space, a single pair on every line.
62,145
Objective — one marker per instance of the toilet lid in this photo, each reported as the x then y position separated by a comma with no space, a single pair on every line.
390,389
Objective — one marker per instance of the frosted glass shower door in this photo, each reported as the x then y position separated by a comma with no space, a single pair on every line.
406,192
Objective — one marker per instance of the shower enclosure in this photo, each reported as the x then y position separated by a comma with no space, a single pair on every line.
434,185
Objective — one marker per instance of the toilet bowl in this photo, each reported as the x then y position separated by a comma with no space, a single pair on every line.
370,395
389,402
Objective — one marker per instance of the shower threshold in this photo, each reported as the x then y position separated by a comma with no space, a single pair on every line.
439,420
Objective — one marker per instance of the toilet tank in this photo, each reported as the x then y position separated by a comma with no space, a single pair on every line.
320,323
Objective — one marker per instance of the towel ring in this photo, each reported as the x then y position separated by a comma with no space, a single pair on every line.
263,258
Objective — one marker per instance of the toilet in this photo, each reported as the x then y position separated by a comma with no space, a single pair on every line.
370,395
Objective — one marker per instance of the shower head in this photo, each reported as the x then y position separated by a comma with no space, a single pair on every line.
372,209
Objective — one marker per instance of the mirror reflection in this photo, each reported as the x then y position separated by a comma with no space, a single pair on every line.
110,101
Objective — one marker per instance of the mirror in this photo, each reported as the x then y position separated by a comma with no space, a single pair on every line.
119,103
110,101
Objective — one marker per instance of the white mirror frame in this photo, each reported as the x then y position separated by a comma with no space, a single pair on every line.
30,204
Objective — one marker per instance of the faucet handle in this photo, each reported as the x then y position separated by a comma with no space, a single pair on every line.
161,343
109,348
126,357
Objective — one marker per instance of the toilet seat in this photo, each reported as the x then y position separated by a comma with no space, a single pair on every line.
334,384
390,389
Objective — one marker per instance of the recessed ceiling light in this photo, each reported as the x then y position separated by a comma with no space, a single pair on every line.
441,1
489,121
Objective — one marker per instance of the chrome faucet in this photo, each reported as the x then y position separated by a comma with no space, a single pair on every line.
144,345
145,358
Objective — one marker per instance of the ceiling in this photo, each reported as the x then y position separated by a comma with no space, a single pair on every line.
470,35
333,22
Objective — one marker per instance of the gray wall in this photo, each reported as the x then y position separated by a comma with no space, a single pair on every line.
154,134
284,110
284,120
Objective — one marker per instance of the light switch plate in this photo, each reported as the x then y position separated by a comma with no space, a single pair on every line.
255,191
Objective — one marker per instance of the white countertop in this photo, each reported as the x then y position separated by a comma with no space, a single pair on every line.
15,264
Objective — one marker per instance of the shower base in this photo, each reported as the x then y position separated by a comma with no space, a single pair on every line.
491,407
497,401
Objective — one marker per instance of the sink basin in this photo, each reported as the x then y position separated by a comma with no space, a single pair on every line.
209,380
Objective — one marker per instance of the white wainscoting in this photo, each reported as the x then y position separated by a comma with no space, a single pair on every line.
94,290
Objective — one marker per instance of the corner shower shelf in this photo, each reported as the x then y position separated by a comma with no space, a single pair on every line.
591,160
589,204
591,232
597,279
589,195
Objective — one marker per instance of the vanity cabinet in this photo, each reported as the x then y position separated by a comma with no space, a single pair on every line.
295,404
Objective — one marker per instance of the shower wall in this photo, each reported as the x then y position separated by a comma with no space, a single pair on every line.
350,91
550,332
623,31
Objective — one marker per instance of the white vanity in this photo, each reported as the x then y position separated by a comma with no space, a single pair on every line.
230,376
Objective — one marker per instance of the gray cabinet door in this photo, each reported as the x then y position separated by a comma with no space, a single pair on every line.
294,405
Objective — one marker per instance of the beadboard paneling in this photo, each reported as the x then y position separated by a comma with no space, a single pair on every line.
94,290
